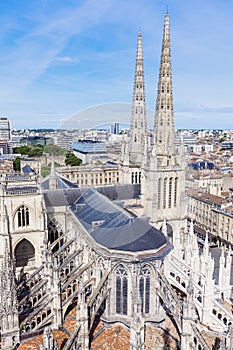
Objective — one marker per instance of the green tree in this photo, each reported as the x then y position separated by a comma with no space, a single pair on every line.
22,149
72,160
36,151
54,150
16,164
31,151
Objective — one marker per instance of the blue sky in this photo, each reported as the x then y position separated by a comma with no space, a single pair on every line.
61,56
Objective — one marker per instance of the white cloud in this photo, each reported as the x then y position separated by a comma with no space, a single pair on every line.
67,59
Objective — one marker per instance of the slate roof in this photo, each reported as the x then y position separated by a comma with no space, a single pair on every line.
107,223
62,183
121,192
27,169
113,227
202,165
61,197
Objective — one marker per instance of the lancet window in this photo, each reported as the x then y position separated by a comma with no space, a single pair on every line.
159,193
170,193
144,289
23,216
165,193
121,291
175,191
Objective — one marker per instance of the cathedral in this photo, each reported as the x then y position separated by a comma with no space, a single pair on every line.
81,270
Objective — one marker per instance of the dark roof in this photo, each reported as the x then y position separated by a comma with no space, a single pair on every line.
27,169
107,223
113,227
22,188
202,165
60,197
62,183
121,192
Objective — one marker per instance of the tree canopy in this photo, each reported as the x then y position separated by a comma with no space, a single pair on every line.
72,160
54,150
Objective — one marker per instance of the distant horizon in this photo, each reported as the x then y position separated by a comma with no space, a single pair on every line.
71,130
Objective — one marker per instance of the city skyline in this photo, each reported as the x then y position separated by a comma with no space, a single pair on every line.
62,57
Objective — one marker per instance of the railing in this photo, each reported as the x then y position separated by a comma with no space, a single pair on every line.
64,246
30,277
36,312
68,259
31,292
26,336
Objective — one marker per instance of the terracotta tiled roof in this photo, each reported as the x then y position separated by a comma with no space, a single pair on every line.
60,336
32,344
116,337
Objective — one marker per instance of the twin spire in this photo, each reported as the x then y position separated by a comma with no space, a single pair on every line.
164,131
138,128
164,116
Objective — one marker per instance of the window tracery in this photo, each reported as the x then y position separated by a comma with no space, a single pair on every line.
23,216
144,289
121,291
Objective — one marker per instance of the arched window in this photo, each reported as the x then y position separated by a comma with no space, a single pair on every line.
170,193
175,191
165,193
144,289
24,253
54,234
159,193
139,177
132,178
23,216
121,291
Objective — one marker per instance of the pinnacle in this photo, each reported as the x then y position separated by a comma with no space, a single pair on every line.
139,49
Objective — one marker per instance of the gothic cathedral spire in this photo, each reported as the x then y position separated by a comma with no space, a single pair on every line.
163,176
138,117
164,132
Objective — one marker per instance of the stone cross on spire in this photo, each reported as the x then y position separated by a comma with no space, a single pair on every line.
138,117
164,116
